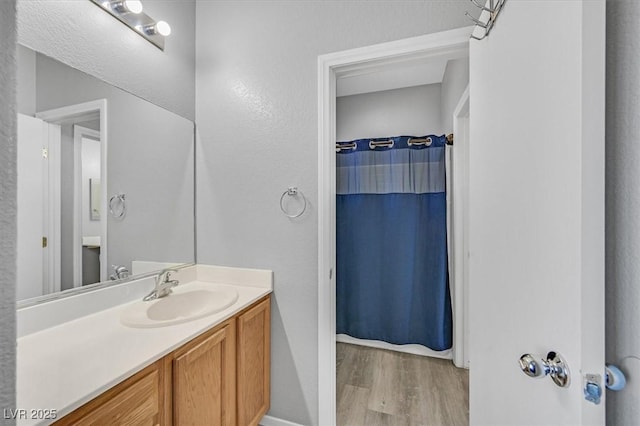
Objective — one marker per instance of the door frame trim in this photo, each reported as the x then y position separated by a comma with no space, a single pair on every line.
330,67
459,250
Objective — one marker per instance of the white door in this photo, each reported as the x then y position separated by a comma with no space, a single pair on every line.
31,180
38,243
536,257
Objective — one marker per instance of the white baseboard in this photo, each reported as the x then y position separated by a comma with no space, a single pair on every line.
274,421
410,349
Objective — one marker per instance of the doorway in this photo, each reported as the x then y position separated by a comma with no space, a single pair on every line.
87,199
82,201
363,61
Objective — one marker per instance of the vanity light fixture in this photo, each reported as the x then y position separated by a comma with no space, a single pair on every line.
160,27
126,6
129,12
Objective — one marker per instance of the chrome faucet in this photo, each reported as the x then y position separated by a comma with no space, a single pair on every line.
163,285
119,272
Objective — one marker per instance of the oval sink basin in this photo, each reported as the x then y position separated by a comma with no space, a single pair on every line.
180,306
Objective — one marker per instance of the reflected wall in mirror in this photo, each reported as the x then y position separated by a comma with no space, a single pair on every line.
94,197
105,182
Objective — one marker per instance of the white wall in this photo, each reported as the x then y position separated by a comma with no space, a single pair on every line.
8,198
256,109
455,80
82,35
411,111
623,206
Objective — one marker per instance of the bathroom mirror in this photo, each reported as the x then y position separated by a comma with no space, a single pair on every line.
105,183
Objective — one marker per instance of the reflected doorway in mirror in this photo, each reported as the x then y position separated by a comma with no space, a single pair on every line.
87,230
81,242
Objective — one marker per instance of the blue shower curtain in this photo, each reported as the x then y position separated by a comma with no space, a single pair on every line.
392,278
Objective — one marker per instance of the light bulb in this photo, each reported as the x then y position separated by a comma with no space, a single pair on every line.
133,6
126,6
163,28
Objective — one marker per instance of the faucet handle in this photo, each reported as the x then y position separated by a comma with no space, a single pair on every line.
119,271
165,274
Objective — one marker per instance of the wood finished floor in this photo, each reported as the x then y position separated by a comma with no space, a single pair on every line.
381,387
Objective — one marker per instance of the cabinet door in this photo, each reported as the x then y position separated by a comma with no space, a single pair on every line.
254,360
136,401
204,380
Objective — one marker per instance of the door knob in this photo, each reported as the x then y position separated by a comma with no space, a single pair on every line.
553,365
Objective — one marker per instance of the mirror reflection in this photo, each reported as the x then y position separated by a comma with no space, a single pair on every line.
105,181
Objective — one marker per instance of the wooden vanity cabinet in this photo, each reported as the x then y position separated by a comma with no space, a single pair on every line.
204,379
220,378
223,377
136,401
254,363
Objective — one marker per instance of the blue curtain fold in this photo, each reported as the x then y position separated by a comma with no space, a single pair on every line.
392,278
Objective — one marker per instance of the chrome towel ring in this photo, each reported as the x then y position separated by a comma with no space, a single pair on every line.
293,191
117,206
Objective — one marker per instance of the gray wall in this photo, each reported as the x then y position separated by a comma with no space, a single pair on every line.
67,172
623,206
26,80
410,111
456,79
8,200
256,109
82,35
150,160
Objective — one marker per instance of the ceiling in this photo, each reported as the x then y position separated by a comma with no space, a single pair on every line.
393,77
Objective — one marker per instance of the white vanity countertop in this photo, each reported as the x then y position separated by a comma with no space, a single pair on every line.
63,367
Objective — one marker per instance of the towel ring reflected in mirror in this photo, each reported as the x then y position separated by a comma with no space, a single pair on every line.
117,206
293,191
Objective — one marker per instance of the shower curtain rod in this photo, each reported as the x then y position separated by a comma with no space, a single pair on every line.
389,143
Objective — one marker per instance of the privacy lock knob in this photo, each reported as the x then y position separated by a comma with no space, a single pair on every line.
554,366
533,366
